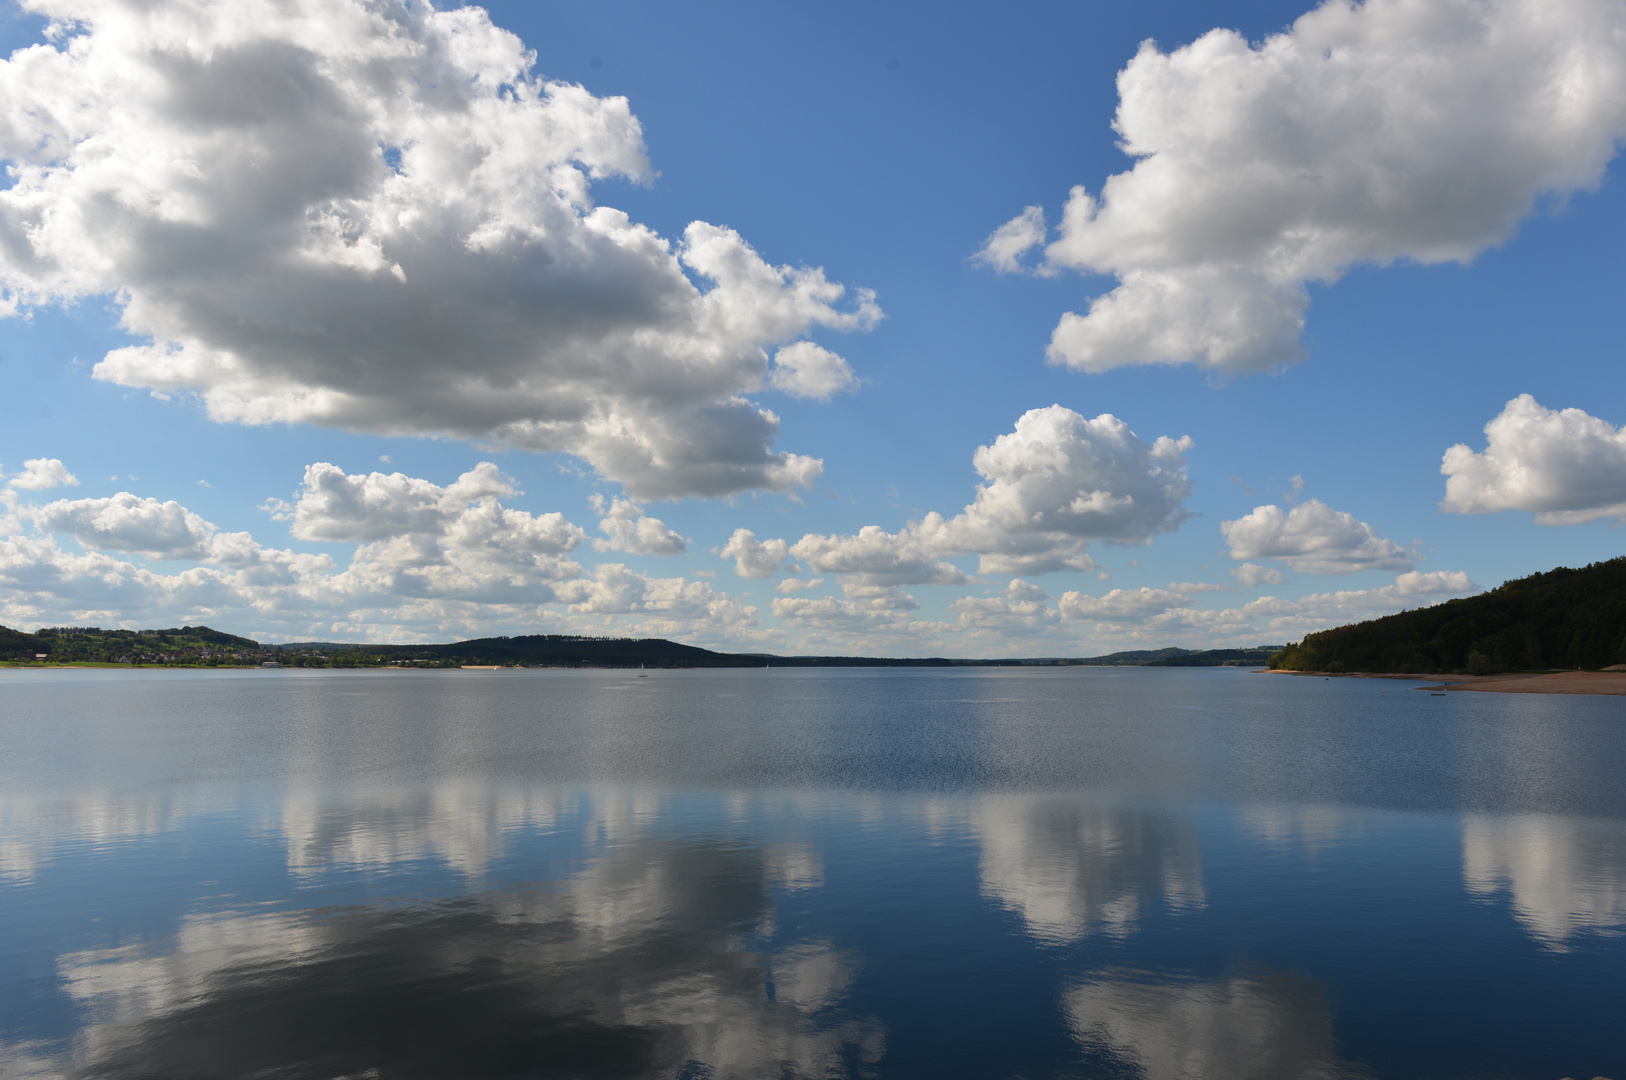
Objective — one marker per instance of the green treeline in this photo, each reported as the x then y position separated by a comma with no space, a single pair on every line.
565,650
1219,658
1561,619
199,646
184,645
16,645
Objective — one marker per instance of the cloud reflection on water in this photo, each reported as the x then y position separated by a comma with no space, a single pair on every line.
1271,1027
461,824
1565,875
621,932
657,953
1070,867
33,826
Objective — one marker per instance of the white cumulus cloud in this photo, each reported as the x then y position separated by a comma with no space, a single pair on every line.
378,217
1120,605
1252,575
754,558
42,474
882,558
1050,487
1004,248
615,590
1147,620
1420,130
1023,608
126,522
628,528
333,505
806,370
424,540
1565,466
1312,538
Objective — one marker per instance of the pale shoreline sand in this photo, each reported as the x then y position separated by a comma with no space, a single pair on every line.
1555,682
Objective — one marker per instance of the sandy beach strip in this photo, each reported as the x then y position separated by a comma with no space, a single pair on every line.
1609,681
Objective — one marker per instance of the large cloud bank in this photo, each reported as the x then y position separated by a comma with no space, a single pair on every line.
429,560
1566,467
411,559
1366,134
377,217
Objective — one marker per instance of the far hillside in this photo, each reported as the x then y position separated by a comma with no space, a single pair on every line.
16,645
178,644
1561,619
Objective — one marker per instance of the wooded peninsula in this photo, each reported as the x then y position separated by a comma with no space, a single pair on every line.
1562,619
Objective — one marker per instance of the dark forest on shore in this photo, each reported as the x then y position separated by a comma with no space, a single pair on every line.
1561,619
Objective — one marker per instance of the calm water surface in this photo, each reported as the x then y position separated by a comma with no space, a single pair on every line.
896,873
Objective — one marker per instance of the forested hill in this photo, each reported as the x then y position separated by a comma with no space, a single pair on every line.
178,644
565,650
15,643
1561,619
193,646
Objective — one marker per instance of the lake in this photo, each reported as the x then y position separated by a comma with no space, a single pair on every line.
979,872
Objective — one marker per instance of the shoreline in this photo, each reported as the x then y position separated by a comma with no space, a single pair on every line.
1607,682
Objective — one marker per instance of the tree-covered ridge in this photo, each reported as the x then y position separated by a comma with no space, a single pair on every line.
201,646
1251,657
1560,619
193,646
176,645
16,645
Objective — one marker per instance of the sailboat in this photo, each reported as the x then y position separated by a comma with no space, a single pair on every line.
642,674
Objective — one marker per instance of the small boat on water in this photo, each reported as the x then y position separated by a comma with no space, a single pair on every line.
642,674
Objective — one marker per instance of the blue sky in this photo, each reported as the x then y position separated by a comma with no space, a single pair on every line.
258,258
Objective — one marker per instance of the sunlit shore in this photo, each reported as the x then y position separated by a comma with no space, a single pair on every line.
1610,681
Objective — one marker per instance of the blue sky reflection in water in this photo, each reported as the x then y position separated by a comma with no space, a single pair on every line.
762,873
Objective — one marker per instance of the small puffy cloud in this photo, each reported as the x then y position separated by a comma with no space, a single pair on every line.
754,558
615,590
129,523
1565,467
1313,538
1434,583
1252,575
793,585
881,557
42,474
629,529
1192,587
1050,487
1059,478
882,608
806,370
429,541
1022,608
879,597
1120,605
1263,167
333,505
1149,621
1007,244
380,218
